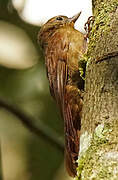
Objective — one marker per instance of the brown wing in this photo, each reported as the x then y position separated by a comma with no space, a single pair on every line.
58,75
57,71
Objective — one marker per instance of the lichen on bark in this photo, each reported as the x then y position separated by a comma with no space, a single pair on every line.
100,159
104,30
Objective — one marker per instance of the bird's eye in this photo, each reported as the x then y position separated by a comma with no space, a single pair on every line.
59,18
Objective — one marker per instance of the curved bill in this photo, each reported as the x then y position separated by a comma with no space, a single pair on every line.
74,18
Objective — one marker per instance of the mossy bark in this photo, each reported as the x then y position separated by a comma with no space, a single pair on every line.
98,156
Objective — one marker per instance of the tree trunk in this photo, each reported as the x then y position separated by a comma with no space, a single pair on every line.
98,156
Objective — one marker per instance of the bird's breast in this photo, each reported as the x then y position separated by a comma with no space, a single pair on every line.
66,44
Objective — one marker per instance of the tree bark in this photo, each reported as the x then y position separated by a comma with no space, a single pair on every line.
98,156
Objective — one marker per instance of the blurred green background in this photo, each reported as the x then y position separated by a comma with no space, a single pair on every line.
23,84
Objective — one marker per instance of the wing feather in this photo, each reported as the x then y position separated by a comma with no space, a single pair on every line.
58,73
57,70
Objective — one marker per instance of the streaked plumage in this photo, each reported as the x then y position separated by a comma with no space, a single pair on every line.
63,46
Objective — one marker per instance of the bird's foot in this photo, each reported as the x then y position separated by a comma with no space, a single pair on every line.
88,26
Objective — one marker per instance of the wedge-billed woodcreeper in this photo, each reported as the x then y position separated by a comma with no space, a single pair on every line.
63,47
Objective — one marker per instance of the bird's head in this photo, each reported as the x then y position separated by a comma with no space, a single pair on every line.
55,23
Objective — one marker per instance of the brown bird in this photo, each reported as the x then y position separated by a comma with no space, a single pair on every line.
63,47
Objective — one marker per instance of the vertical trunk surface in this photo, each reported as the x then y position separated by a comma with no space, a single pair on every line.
98,157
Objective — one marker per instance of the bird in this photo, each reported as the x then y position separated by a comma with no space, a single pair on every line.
63,47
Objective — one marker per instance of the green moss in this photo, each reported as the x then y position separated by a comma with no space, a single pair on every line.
87,159
82,66
101,26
